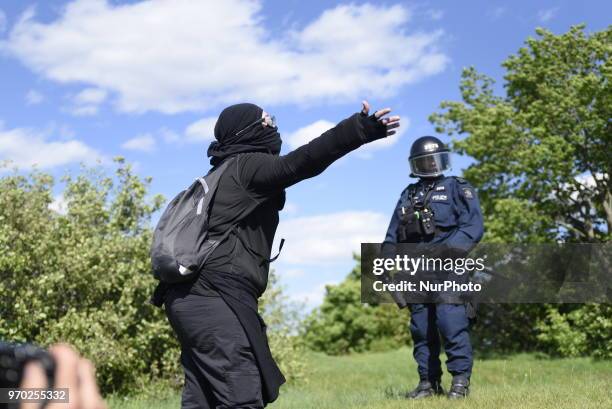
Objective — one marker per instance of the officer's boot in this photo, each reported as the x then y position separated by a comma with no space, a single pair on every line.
426,389
459,387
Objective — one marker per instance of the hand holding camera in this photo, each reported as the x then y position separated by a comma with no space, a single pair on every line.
26,366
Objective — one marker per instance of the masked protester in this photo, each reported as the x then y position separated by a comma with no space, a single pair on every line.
224,349
441,214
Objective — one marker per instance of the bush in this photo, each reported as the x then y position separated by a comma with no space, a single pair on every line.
507,328
584,331
342,324
83,276
282,320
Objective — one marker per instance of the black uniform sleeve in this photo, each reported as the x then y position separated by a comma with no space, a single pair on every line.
264,172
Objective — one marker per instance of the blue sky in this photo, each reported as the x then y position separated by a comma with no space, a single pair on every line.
88,80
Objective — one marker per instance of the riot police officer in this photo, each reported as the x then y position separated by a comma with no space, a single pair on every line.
447,215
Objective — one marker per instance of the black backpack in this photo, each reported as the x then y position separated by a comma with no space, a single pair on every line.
181,243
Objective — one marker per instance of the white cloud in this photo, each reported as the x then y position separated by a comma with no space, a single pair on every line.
142,143
179,55
587,181
34,97
307,133
59,204
292,273
546,15
202,130
313,297
85,110
93,96
311,241
87,101
26,148
199,131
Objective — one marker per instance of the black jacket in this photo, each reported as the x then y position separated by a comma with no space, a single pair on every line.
255,187
249,196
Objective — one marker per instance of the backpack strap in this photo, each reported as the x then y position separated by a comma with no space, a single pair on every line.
211,179
210,184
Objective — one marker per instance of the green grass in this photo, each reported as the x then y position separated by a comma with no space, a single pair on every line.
379,381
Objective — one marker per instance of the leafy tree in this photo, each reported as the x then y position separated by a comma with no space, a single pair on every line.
342,324
542,151
542,166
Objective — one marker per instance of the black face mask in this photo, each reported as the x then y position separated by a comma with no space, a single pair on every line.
257,138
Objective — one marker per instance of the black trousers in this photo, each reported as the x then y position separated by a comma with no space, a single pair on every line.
220,368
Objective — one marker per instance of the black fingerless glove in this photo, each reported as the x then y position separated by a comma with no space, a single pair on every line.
372,128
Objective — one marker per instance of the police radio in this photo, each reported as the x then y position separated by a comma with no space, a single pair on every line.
416,221
427,224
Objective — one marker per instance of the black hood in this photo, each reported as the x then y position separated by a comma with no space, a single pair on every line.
256,139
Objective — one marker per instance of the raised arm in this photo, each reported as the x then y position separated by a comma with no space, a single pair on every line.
261,171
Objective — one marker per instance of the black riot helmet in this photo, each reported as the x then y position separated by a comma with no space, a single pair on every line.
429,157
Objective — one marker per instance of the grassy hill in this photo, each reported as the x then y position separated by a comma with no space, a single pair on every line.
379,381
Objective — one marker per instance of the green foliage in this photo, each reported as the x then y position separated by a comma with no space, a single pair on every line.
84,277
582,331
342,324
282,320
542,167
507,328
542,151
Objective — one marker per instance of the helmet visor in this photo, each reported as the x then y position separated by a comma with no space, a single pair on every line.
433,164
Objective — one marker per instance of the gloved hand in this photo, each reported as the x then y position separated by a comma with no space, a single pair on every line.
377,126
